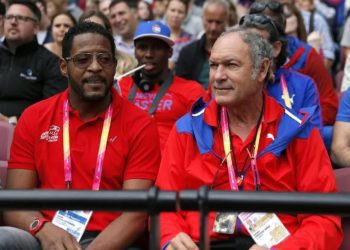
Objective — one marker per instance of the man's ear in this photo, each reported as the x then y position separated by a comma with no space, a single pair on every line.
64,67
264,70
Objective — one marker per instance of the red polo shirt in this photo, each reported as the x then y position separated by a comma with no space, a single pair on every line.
176,102
132,150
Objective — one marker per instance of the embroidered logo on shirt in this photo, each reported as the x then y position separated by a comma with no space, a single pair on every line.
270,136
28,74
51,135
291,99
111,140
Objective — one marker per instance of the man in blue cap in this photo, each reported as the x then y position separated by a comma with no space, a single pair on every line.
155,88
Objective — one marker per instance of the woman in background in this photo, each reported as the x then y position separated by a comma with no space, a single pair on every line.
175,15
61,22
144,10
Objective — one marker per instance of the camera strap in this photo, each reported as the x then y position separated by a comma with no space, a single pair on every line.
163,89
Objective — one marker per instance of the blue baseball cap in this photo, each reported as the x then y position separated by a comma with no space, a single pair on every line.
154,29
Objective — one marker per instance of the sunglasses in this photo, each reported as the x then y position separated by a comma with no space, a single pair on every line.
258,19
258,7
83,60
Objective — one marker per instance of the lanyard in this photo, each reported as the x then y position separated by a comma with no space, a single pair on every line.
285,92
253,159
227,147
101,150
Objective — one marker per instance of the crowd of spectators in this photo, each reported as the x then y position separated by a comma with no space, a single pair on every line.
278,70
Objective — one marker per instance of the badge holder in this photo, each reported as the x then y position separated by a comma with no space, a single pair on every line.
266,229
74,222
225,222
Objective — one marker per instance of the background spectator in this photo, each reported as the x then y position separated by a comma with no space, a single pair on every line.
175,15
55,6
29,72
44,34
61,22
123,18
193,59
294,22
155,89
159,7
103,6
144,10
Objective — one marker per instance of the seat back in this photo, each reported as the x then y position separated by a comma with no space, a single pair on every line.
6,135
342,176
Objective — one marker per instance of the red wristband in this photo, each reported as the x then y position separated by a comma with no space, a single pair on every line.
36,225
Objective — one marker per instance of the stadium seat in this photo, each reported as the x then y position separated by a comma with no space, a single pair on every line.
342,176
6,134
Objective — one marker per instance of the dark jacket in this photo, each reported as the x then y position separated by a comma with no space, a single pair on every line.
28,76
191,60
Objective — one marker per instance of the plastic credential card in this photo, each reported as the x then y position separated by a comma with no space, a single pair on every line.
74,222
266,229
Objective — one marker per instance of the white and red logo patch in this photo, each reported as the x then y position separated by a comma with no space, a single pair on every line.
51,135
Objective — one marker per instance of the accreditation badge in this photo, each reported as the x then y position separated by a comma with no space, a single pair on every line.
225,222
74,222
266,229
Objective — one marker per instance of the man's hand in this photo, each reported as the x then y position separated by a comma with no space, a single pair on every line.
256,247
182,242
53,237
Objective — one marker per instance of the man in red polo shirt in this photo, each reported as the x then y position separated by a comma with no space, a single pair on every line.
87,138
243,140
155,88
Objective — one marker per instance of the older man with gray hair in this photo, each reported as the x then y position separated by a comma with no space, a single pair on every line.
243,140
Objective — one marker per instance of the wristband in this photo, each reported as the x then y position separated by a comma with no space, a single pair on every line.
36,225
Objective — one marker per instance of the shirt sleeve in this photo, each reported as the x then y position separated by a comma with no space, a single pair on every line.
344,108
328,97
23,144
313,174
144,153
312,98
170,177
345,40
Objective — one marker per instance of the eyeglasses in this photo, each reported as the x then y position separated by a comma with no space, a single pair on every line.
83,60
20,19
258,7
258,19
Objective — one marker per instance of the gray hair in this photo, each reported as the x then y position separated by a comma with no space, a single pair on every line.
223,3
259,47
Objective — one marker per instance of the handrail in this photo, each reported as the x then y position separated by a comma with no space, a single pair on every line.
286,202
76,200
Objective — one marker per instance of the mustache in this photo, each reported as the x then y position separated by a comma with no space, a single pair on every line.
94,78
